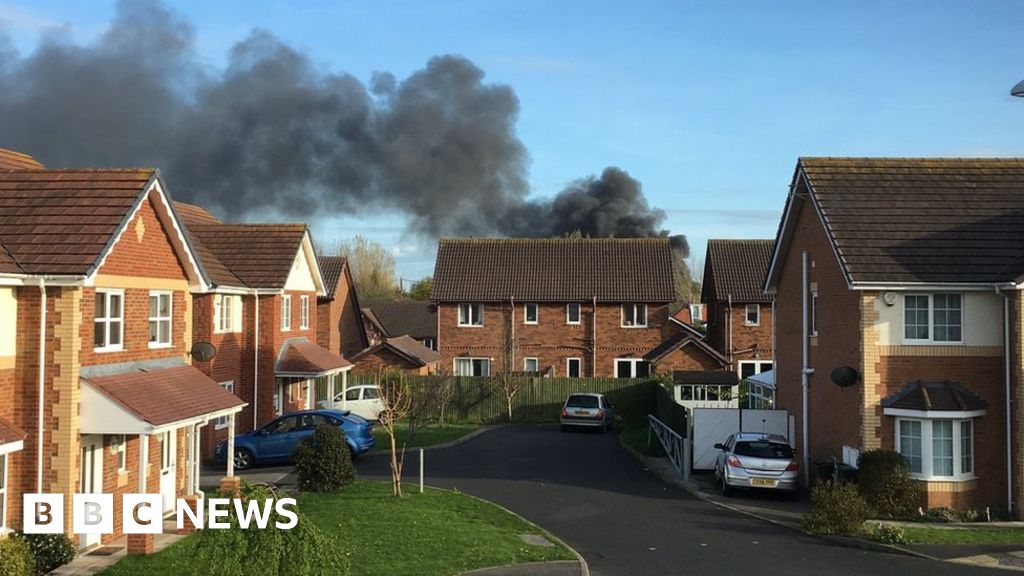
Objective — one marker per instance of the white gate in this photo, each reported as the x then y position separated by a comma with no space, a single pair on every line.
713,425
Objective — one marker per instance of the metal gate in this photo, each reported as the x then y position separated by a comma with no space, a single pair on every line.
713,425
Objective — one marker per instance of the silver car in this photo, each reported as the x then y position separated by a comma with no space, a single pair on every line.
756,460
587,410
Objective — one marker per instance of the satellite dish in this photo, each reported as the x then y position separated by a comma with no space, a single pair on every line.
1018,89
890,298
203,351
845,376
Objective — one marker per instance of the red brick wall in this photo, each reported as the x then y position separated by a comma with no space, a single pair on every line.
339,321
552,341
689,357
136,329
153,257
384,359
744,338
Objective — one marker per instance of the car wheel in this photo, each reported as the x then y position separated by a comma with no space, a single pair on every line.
726,489
243,459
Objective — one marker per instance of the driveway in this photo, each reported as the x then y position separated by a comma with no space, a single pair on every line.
587,490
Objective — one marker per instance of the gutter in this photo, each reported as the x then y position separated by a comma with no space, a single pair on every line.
255,364
42,386
593,341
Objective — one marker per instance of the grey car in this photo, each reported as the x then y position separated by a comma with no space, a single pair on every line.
588,411
756,460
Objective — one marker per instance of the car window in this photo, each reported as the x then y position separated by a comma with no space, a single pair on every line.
310,421
352,394
283,425
370,394
763,449
580,401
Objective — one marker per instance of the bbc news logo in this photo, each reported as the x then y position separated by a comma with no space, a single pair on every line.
143,513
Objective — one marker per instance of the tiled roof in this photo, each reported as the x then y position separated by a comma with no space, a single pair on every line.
737,269
194,214
677,341
258,255
11,160
414,318
300,356
168,395
10,433
554,270
406,347
935,396
922,219
61,221
331,268
714,378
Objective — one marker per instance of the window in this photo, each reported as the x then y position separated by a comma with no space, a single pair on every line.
572,313
937,448
631,368
3,492
471,314
222,422
753,316
227,310
531,365
472,366
352,394
531,314
750,367
286,312
303,312
933,317
573,367
117,447
159,319
634,315
108,332
429,343
814,314
167,455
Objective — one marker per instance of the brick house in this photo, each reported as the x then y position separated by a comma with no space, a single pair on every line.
739,314
97,389
401,353
908,272
260,313
392,318
565,307
339,318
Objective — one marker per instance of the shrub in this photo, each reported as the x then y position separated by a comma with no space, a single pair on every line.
883,478
947,514
889,534
51,551
323,461
16,558
836,509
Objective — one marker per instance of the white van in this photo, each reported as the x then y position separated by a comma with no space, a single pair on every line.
363,400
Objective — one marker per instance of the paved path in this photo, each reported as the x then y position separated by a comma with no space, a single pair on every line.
588,491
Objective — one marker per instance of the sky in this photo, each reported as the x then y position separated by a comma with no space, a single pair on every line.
707,104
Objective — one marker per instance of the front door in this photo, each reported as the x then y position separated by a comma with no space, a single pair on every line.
92,477
169,469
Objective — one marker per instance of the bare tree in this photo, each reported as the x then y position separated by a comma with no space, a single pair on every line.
505,379
400,408
444,392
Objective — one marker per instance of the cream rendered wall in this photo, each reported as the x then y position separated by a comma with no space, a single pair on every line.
300,279
8,323
982,319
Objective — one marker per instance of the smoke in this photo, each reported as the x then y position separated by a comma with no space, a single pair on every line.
274,133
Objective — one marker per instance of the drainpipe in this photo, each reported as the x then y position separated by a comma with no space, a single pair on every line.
805,371
1009,391
42,386
255,364
512,336
593,340
728,329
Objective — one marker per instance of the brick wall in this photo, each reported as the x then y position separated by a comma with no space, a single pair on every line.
688,358
144,249
748,341
339,321
383,359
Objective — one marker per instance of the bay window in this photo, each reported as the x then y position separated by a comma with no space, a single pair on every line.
937,449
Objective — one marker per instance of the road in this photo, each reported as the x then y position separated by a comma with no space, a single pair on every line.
587,490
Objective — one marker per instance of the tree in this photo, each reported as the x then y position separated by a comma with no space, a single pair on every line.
505,380
421,289
443,391
373,268
400,408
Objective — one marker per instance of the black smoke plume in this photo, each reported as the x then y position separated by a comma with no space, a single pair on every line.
272,133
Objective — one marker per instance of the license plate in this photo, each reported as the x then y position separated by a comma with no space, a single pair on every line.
765,482
581,413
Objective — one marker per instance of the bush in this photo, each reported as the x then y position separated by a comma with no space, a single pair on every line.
51,551
16,558
323,461
946,514
889,534
836,509
883,478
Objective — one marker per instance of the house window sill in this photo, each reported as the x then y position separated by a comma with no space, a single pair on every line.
634,327
153,346
751,325
944,479
470,325
108,349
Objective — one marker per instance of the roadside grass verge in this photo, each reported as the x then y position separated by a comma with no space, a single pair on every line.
437,533
635,436
921,535
426,435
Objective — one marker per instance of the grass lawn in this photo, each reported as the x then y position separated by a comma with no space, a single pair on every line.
979,535
425,435
635,435
434,533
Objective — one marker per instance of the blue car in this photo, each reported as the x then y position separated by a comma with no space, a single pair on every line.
275,442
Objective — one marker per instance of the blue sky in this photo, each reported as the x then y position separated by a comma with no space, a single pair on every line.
708,104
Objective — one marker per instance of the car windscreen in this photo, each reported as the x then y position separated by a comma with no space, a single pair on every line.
582,401
763,449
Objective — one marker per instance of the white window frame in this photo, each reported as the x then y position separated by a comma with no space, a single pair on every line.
927,448
758,366
303,312
473,317
636,307
227,312
118,447
222,422
3,493
757,313
814,313
931,319
286,313
579,370
536,362
455,364
633,371
169,319
536,313
429,343
579,313
107,320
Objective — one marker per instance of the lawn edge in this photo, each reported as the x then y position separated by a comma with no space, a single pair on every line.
448,444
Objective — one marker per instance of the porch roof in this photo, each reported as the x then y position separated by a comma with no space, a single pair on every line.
304,359
146,401
11,437
935,397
